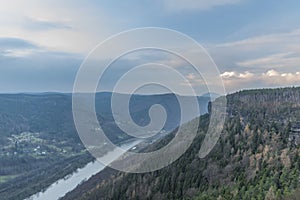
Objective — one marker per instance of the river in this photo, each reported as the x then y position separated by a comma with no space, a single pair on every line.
61,187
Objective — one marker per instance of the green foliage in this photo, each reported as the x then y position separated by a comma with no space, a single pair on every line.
253,159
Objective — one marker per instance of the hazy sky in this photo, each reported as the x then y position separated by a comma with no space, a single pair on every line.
254,43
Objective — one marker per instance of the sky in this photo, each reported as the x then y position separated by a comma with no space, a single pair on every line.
254,43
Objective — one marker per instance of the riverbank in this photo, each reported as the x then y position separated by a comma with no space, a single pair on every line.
69,182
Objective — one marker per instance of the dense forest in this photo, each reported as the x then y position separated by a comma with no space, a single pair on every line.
256,157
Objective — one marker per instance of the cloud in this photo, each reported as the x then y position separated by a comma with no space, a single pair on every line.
42,71
192,5
264,40
266,51
42,28
17,52
70,26
280,51
271,78
15,47
236,75
15,43
42,24
286,78
273,60
271,73
191,76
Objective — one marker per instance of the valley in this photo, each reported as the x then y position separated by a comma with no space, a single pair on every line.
39,142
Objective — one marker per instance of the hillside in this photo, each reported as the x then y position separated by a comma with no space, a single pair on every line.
257,157
39,142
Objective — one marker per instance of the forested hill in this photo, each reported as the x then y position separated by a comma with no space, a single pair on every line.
40,145
257,157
